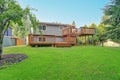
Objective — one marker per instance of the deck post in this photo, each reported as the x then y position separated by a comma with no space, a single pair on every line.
92,40
85,40
82,39
88,40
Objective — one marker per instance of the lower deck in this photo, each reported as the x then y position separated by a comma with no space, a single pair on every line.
54,44
51,40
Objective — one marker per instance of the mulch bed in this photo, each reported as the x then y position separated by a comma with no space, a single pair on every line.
9,59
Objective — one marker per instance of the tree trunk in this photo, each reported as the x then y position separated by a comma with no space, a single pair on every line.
1,42
102,44
0,52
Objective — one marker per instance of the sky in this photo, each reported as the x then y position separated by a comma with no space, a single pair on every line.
66,11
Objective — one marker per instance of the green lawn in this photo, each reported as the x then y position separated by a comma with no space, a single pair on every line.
75,63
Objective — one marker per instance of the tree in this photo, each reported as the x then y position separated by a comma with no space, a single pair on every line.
100,32
11,11
73,23
85,26
93,25
95,37
112,18
25,29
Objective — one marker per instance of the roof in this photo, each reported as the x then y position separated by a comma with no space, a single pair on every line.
55,24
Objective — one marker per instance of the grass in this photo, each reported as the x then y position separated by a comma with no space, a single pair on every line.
75,63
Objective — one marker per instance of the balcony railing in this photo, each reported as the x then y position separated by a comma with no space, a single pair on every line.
69,31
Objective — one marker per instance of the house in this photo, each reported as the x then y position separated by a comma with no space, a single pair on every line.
8,32
56,34
52,34
7,41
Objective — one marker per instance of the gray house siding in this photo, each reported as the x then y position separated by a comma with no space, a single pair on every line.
7,41
35,39
48,39
59,39
52,30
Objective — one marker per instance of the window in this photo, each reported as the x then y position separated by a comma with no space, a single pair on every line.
42,39
42,27
61,27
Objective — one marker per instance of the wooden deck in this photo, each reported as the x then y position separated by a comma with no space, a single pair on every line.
62,44
56,44
85,31
33,42
72,31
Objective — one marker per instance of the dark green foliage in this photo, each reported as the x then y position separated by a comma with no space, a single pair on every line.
11,11
112,19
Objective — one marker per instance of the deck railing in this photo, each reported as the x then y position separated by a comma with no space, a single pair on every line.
86,31
81,31
69,31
